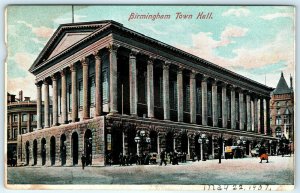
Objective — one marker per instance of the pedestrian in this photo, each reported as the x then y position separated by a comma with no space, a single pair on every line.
163,158
83,160
263,154
121,159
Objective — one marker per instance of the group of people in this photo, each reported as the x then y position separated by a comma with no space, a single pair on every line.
174,157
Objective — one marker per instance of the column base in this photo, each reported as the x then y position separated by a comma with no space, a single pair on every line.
86,118
113,113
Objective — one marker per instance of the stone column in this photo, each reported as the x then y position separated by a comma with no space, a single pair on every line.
241,109
268,116
113,78
188,143
85,81
158,144
249,121
180,94
214,93
39,105
255,109
74,93
64,111
166,96
55,100
46,104
150,88
193,102
262,120
98,91
224,105
233,121
19,123
28,122
123,143
204,100
133,82
213,148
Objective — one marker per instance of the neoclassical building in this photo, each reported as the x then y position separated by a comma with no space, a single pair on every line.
111,84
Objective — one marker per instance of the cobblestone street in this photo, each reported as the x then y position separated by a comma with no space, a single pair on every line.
278,171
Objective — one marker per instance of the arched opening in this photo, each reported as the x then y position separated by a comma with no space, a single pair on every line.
116,144
131,144
63,149
27,152
184,143
88,146
153,141
34,152
75,148
52,150
247,147
169,142
43,152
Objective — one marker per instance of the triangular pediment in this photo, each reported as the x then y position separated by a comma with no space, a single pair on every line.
68,40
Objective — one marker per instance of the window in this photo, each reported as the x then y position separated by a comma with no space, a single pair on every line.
80,85
8,134
278,132
15,133
219,104
15,118
33,117
59,101
24,130
69,97
173,95
209,104
24,117
278,105
286,119
278,120
199,101
186,96
92,90
228,103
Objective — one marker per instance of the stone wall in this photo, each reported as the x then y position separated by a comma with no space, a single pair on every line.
96,127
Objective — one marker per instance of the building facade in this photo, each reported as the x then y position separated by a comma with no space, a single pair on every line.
21,119
111,84
282,110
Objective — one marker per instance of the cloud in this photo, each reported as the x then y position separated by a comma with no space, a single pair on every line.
24,60
271,58
42,31
237,12
14,85
277,15
77,18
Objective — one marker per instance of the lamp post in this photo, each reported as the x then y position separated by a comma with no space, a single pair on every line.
220,147
202,141
141,139
270,147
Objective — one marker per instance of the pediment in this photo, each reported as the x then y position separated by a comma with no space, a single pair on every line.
68,40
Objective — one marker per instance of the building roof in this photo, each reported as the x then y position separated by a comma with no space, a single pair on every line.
282,87
69,38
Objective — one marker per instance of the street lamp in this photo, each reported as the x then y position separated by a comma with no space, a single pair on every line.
220,147
140,139
202,141
270,147
137,139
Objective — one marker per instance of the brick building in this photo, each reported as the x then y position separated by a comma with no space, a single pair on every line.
282,110
21,119
113,87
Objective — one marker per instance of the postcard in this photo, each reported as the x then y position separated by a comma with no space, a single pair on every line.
156,97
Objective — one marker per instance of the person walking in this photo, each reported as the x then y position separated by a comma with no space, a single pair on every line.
83,160
163,158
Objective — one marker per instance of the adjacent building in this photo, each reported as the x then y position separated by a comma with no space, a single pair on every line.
282,110
115,91
21,119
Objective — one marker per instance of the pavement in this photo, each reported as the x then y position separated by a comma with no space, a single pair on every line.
247,171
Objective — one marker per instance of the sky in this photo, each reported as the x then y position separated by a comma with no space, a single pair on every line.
257,42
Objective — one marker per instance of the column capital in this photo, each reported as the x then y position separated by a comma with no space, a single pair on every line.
39,83
204,78
53,77
96,55
73,67
224,84
180,69
232,87
214,82
151,60
133,52
84,61
166,65
62,72
113,47
45,81
193,74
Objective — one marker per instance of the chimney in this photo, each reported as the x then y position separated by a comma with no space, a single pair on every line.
26,98
291,81
20,95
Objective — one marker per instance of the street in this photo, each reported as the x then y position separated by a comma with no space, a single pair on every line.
248,171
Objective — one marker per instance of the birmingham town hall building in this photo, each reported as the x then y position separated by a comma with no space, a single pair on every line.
110,84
